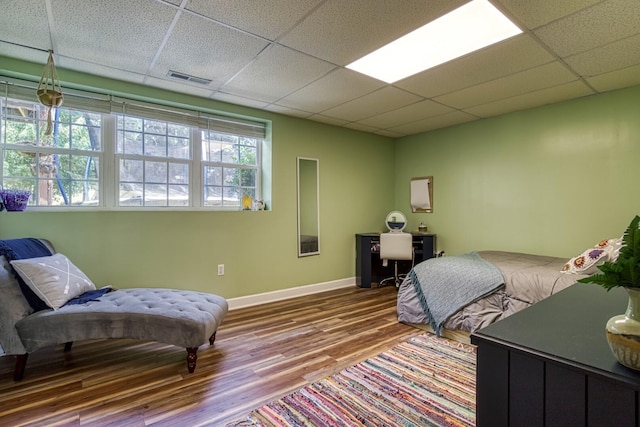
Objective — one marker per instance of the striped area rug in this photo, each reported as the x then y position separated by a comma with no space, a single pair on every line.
425,381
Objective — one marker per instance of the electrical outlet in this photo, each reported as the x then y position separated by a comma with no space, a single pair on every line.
220,269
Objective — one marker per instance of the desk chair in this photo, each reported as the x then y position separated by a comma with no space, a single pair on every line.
395,245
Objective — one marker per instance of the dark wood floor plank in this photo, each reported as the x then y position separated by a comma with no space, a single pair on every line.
260,354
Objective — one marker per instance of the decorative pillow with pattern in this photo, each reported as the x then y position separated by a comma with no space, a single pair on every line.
53,278
588,261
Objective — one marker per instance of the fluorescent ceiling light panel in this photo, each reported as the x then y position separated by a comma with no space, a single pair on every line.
468,28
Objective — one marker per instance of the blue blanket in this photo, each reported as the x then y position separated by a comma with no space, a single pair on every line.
446,285
14,249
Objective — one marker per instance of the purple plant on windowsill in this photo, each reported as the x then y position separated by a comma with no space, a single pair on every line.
15,200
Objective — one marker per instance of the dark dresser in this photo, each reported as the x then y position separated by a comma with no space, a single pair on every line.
550,365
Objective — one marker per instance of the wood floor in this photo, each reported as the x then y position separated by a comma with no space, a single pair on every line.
260,353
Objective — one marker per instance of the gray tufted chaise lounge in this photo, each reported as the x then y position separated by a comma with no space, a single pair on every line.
183,318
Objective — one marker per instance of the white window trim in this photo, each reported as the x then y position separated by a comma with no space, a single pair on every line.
108,179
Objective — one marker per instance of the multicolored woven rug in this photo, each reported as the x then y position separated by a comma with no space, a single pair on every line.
425,381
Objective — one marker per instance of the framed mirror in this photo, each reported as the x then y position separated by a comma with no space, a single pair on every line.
308,206
422,194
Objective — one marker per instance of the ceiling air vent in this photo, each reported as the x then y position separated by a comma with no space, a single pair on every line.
188,78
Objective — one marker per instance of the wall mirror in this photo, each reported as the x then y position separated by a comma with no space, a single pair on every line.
422,194
308,207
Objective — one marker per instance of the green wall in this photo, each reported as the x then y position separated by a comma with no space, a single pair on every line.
259,249
552,180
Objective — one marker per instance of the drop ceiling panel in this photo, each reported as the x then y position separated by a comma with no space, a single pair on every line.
534,13
424,125
592,27
335,88
177,86
235,99
511,56
268,18
99,70
117,33
277,72
361,127
14,29
288,111
342,31
536,98
205,49
616,79
378,102
328,120
407,114
541,77
613,56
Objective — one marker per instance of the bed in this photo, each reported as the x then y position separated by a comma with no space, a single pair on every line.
455,296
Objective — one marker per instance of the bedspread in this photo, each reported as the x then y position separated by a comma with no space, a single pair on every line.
475,278
528,279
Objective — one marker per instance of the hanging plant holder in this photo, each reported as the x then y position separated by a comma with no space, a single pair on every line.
49,91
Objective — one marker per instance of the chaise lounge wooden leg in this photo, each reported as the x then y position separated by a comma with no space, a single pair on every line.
212,338
21,363
67,346
191,358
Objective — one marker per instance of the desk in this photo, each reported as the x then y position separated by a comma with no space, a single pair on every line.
369,267
550,365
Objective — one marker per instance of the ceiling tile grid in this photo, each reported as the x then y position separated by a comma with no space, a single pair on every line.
205,49
289,56
101,32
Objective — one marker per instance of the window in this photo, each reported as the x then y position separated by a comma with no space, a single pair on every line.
115,153
58,169
154,159
231,170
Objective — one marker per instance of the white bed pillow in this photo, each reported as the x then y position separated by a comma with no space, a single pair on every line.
589,260
54,279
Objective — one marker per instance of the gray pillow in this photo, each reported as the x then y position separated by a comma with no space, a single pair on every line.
53,278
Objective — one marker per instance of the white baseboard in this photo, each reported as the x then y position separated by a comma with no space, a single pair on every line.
251,300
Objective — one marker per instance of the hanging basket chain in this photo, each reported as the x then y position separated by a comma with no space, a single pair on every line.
49,90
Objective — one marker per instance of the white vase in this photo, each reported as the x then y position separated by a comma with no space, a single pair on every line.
623,332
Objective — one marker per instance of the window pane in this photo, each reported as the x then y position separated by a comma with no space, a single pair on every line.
231,196
130,195
178,195
155,195
211,151
213,175
131,170
248,155
178,173
248,177
155,145
230,176
179,148
155,172
152,126
213,196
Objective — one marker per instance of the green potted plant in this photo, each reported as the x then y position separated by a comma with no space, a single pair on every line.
623,331
625,271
